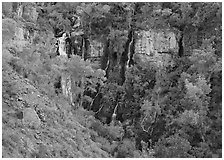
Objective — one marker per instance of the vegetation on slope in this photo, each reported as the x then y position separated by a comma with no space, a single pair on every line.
167,110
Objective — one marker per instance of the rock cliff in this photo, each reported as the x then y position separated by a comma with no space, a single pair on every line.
157,46
156,41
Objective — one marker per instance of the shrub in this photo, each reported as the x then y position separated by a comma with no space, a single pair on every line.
172,147
126,149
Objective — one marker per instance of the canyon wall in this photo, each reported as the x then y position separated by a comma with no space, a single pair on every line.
157,45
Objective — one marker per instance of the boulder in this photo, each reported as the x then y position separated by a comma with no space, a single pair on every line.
30,118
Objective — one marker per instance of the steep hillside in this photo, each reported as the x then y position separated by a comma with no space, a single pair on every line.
54,132
112,79
33,125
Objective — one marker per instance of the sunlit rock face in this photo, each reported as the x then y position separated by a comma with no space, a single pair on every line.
156,41
66,84
30,118
65,80
62,45
156,46
19,33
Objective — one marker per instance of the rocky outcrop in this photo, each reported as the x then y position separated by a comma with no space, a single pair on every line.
156,41
62,45
157,46
148,43
66,85
30,118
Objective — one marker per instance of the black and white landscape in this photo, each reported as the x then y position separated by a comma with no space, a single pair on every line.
111,80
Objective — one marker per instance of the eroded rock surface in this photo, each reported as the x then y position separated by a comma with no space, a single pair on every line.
160,41
157,46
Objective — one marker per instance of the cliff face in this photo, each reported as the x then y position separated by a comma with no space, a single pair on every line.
153,42
149,43
17,19
157,46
